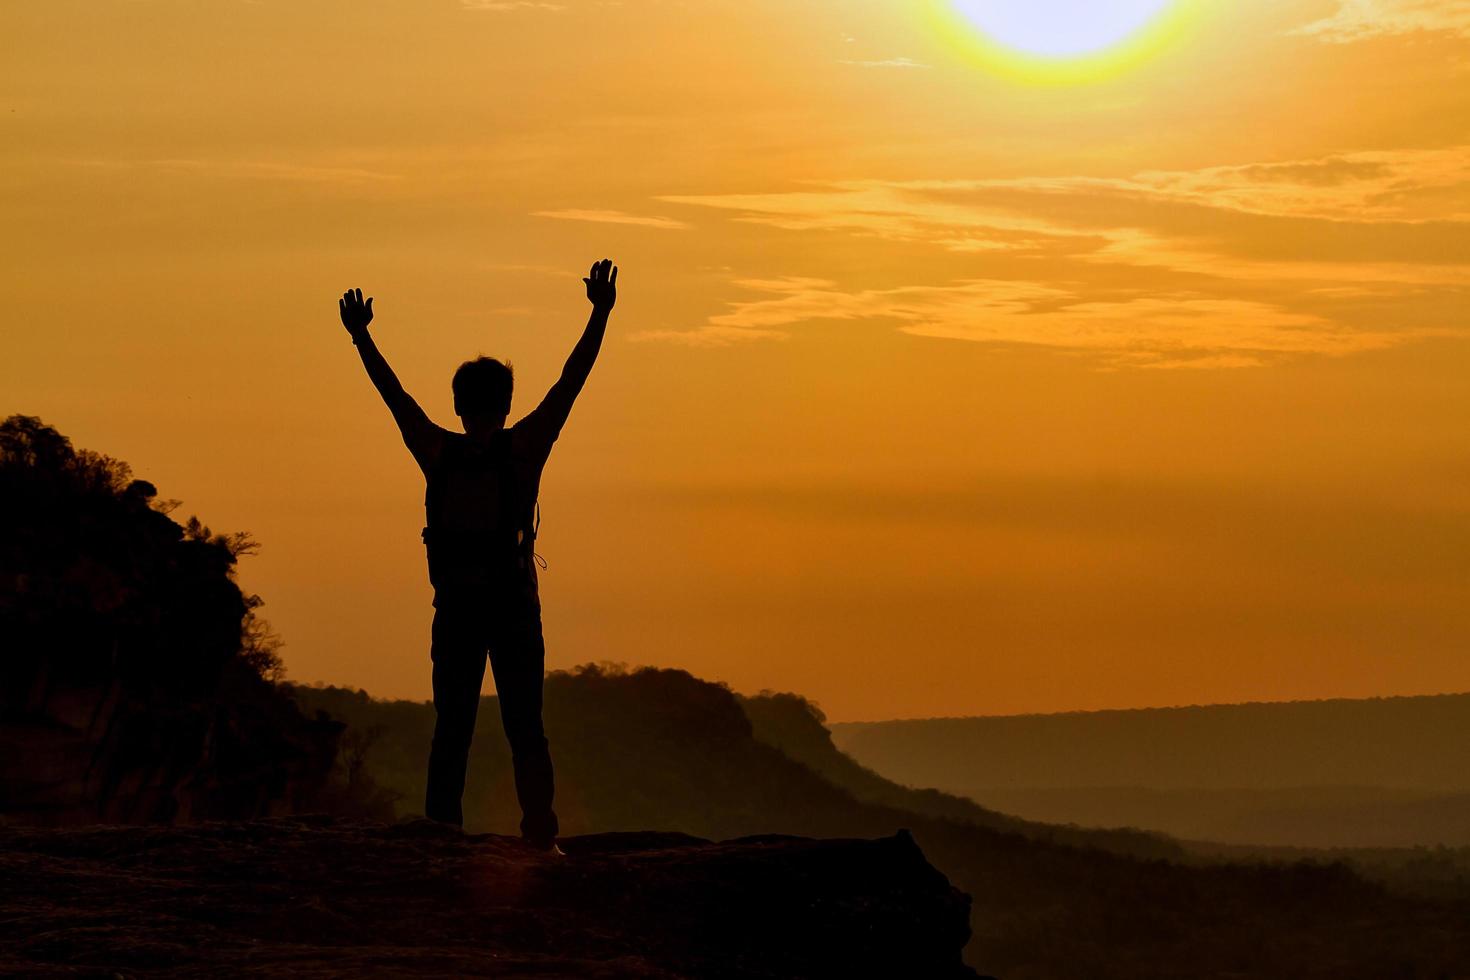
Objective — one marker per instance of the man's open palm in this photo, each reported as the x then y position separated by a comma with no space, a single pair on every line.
602,284
356,315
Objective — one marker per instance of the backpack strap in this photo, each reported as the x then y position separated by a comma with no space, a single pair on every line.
434,483
515,511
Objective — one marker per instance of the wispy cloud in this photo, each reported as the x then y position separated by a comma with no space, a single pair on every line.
885,63
1394,185
709,335
1165,331
1374,186
1360,20
246,170
1138,247
501,6
1387,216
614,218
1259,260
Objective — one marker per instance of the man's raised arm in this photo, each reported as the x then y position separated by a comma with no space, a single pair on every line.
420,435
602,291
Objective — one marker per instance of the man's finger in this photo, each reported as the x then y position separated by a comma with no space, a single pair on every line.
613,279
342,308
359,295
370,306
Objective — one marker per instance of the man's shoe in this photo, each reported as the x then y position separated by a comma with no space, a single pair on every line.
549,848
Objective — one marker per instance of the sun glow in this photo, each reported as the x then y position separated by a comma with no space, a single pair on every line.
1062,41
1061,28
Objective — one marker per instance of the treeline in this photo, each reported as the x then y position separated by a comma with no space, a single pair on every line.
136,678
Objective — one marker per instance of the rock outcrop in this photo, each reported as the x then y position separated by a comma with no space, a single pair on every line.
319,897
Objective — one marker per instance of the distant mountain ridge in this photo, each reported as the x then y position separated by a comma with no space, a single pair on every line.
797,727
1381,772
1414,742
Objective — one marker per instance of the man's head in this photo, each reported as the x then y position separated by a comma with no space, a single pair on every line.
482,390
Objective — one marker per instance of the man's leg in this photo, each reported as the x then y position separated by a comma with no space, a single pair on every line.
458,653
518,660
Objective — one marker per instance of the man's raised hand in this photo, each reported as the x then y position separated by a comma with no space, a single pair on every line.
602,285
356,315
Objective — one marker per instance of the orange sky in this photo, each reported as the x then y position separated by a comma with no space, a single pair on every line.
936,385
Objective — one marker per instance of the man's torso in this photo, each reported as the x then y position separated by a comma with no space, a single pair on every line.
479,506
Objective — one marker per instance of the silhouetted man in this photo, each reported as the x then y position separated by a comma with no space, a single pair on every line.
480,534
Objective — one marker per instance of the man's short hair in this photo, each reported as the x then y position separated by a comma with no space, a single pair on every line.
482,386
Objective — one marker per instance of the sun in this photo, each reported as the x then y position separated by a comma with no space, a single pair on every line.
1061,29
1064,42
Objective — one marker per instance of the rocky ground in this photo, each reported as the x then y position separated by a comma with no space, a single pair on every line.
324,898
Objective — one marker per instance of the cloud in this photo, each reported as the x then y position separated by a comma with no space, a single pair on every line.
708,335
1136,247
1391,216
893,210
1247,263
1396,185
614,218
1360,20
246,170
1165,331
886,63
502,6
1373,186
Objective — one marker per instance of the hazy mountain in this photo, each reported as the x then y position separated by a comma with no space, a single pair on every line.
661,749
1379,772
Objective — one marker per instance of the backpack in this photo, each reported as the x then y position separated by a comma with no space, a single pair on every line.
501,557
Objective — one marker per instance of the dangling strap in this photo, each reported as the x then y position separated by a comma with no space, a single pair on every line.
535,531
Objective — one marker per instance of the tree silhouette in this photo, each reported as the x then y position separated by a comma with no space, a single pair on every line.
135,674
